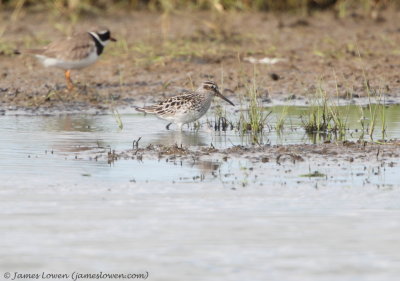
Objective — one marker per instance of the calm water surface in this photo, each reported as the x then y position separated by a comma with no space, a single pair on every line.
62,211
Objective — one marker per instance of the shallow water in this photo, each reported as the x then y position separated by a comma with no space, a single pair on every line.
64,146
63,211
67,146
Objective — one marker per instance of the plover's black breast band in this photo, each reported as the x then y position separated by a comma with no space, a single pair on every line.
99,46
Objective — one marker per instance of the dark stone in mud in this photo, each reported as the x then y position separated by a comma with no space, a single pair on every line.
274,76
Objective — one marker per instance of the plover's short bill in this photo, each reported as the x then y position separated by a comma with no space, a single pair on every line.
186,108
74,52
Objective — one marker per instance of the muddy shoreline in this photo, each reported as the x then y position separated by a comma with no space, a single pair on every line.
149,62
341,151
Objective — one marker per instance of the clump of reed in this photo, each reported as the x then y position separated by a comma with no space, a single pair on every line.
373,114
324,116
327,117
253,118
253,115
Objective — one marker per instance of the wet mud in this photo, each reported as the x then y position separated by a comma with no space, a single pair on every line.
339,151
157,57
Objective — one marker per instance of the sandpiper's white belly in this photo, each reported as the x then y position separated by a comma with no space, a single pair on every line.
66,65
188,115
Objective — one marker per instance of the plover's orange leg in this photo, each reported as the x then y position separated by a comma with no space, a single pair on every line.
70,85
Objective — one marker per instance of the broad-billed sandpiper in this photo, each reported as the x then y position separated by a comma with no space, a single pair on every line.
185,108
75,52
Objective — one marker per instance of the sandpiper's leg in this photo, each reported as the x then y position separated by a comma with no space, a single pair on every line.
70,85
167,127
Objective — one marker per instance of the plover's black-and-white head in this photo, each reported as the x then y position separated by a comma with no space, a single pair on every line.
101,37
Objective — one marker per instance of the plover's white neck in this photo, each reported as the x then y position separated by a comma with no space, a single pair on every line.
97,38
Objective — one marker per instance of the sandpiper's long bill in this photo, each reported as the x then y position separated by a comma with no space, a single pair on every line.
186,108
75,52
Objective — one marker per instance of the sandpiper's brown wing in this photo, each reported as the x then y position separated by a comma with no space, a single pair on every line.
170,106
75,47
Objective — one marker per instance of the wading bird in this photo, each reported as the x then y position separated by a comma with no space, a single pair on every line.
185,108
74,52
